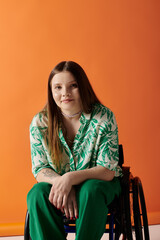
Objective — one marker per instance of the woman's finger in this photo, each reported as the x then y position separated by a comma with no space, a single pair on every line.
59,201
66,212
51,194
75,207
64,202
55,200
70,210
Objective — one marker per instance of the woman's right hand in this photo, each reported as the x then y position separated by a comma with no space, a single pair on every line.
63,196
71,208
60,190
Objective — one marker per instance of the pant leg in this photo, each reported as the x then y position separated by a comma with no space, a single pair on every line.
45,220
93,197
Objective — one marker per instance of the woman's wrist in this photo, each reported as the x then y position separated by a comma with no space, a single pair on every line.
76,177
69,178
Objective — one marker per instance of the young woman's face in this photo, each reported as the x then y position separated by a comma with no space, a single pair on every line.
66,93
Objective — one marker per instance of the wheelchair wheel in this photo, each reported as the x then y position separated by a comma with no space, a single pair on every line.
136,212
139,210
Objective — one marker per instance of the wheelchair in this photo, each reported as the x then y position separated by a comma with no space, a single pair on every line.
127,215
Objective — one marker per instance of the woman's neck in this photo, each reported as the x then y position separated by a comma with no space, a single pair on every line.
75,115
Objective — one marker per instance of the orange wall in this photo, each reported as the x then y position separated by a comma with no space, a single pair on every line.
117,43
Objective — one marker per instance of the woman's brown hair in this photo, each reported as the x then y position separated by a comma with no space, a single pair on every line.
88,98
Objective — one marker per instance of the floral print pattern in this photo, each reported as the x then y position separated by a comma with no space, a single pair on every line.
96,143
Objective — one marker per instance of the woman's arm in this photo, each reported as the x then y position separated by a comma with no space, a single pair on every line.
47,175
98,172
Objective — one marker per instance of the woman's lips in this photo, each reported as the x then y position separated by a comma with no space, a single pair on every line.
67,100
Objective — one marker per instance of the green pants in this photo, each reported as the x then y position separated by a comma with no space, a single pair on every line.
93,197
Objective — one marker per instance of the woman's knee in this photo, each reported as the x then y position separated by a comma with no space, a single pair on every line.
99,190
39,191
91,188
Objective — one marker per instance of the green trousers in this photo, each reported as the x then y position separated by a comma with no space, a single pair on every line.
93,197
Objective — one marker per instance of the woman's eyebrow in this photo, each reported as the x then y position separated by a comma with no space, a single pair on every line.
73,81
57,83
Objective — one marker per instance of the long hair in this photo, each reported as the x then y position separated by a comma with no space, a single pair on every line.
88,98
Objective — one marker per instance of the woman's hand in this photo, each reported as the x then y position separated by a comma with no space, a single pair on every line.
60,190
71,208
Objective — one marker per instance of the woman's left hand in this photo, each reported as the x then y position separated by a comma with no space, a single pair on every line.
71,208
60,190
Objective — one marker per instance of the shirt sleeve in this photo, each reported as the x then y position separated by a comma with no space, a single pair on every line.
108,153
38,154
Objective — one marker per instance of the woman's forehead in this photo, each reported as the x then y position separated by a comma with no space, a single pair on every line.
63,77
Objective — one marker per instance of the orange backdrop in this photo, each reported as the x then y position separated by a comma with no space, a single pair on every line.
117,43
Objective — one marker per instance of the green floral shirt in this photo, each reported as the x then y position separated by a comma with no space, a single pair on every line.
96,143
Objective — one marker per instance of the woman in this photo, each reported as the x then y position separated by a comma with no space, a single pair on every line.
74,148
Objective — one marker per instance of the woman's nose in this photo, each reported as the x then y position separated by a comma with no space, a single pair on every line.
66,92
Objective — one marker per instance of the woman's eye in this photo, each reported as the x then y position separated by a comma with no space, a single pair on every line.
58,87
74,85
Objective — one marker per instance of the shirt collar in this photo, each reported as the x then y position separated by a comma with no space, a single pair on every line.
85,117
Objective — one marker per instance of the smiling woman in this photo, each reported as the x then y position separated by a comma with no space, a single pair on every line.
66,93
74,147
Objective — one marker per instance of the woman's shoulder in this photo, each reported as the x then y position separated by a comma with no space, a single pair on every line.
40,119
102,112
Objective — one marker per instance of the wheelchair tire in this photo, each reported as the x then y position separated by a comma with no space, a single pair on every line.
140,200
